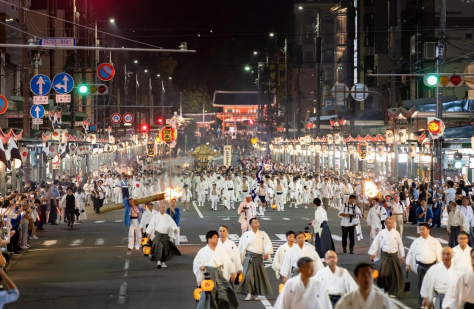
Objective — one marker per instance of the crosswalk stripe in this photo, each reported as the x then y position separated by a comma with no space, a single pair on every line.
101,221
119,220
76,242
203,238
48,243
281,236
286,219
337,238
441,240
183,238
99,242
233,237
265,218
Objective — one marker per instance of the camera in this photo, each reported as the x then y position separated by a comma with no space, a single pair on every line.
350,218
246,208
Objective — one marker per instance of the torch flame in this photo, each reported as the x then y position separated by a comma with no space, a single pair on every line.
370,189
173,193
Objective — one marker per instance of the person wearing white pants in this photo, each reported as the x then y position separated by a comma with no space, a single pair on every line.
134,234
280,196
228,193
214,197
202,190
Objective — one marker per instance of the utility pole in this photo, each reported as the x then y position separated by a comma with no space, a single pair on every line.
287,100
351,14
318,75
25,76
439,91
52,11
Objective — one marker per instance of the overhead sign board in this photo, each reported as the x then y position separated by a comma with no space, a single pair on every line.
63,98
57,42
37,111
105,71
40,84
40,99
63,83
3,104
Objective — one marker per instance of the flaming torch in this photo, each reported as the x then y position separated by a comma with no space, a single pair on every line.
173,193
370,189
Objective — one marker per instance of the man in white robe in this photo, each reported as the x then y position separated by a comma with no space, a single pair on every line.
282,252
388,247
323,239
366,296
254,247
457,222
247,210
438,279
289,266
163,249
462,292
214,260
303,291
425,251
230,248
117,196
147,215
462,253
336,280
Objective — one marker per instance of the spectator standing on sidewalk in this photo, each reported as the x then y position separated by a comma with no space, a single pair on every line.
11,293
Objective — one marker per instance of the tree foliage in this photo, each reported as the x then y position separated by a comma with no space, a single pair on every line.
195,98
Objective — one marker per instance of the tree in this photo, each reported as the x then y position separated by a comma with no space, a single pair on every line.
195,98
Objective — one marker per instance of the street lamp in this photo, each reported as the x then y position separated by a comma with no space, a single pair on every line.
272,34
247,68
136,61
112,20
300,8
255,52
146,71
158,75
170,78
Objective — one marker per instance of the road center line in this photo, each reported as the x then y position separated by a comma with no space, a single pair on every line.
123,286
265,302
197,210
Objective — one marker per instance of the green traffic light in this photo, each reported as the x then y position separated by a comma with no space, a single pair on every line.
432,80
83,89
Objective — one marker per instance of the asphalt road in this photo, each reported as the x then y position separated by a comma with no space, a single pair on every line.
90,267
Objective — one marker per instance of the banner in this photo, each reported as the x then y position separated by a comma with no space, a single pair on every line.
363,150
227,155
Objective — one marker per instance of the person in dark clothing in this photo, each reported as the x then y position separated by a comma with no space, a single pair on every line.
70,207
54,193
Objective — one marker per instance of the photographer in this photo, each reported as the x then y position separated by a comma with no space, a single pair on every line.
349,214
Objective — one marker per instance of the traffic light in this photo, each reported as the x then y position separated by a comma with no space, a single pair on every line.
93,89
458,160
435,127
159,121
443,80
144,128
250,122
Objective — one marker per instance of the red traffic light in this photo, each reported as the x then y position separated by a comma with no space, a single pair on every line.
249,122
159,120
144,128
456,80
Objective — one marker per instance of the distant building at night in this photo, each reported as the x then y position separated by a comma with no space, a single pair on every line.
237,107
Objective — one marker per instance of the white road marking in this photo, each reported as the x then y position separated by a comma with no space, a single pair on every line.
50,243
265,218
307,219
124,240
203,238
233,237
99,242
407,248
281,236
126,266
287,219
183,238
122,293
119,220
76,242
442,241
101,221
265,302
197,210
336,238
226,219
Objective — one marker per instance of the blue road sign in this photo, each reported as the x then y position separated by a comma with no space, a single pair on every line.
63,83
92,127
40,84
37,111
57,42
330,105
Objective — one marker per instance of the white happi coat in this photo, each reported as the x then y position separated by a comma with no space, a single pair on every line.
258,243
291,259
280,257
162,223
338,283
422,249
461,292
295,295
217,258
376,299
462,258
438,278
233,251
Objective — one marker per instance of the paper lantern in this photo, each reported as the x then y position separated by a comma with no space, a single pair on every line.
375,274
317,148
56,135
197,294
330,139
168,134
388,137
13,154
472,143
52,150
381,150
412,151
280,287
144,241
350,149
274,206
146,250
92,138
324,148
337,138
23,154
207,284
363,150
402,135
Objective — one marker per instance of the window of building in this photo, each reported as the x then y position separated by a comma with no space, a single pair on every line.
229,111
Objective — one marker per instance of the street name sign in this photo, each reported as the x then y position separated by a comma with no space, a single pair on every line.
57,42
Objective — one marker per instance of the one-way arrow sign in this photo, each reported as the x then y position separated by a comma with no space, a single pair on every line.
40,84
37,111
63,83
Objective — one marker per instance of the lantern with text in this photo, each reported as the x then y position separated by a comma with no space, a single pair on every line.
207,285
168,134
363,147
254,140
150,149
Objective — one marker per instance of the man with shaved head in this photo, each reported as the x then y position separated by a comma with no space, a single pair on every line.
438,279
336,280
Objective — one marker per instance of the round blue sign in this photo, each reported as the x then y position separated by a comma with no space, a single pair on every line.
92,127
40,84
63,83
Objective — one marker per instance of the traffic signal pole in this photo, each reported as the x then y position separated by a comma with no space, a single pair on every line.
439,92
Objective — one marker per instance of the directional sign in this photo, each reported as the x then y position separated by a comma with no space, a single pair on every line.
37,120
116,118
92,127
40,99
63,83
37,111
128,118
40,84
3,104
105,71
57,42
